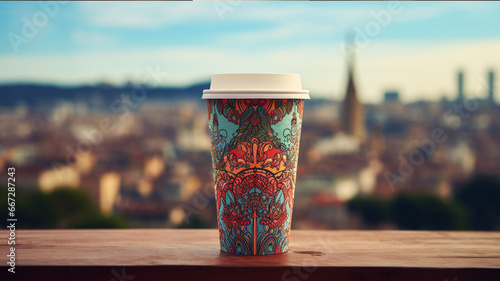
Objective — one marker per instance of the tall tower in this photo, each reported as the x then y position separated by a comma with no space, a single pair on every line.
491,82
353,114
460,85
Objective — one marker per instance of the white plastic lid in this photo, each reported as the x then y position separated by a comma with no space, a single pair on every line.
256,86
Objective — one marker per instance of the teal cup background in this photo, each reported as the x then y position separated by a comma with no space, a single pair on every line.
255,147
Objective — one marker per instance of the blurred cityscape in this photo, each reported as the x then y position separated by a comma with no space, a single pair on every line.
139,156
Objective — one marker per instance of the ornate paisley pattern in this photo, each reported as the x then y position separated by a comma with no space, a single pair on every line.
255,144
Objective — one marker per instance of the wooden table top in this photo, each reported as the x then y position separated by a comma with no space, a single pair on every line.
156,254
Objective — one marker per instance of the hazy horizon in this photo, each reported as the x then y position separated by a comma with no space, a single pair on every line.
415,48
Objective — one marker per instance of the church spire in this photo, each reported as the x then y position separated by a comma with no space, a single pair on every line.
353,113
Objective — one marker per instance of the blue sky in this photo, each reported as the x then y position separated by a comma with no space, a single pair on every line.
417,49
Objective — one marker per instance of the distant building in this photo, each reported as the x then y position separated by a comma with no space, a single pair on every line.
377,141
491,83
460,86
109,191
353,121
63,176
391,96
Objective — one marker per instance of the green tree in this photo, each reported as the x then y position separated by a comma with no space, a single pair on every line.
426,212
481,198
373,210
410,211
61,208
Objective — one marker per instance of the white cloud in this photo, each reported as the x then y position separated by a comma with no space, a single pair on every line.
92,38
294,31
419,13
143,14
160,14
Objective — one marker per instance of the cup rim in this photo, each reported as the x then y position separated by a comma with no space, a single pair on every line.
275,91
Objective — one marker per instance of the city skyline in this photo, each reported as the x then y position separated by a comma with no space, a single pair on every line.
416,48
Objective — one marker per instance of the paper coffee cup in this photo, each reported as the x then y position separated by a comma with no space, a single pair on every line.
254,124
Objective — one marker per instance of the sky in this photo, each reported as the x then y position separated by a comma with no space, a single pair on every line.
413,47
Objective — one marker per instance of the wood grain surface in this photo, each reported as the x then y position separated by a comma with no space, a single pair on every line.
174,254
